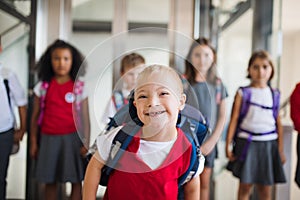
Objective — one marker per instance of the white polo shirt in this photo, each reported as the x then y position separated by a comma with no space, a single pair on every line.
17,97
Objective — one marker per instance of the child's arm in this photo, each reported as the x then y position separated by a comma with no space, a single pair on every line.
295,107
192,189
19,133
209,144
232,124
280,139
34,127
92,177
19,96
86,125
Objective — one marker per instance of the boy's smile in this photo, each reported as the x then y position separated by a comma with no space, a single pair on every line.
158,100
154,114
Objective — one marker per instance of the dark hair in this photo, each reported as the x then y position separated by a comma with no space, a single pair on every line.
262,55
44,65
190,70
131,60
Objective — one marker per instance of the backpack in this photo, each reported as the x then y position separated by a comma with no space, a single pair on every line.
244,110
190,120
78,89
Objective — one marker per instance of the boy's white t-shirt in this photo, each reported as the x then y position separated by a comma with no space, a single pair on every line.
151,152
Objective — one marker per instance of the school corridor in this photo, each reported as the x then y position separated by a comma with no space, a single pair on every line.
162,32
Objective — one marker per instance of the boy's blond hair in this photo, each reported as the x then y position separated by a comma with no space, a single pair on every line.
166,72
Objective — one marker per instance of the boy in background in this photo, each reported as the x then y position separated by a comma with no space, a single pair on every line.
129,72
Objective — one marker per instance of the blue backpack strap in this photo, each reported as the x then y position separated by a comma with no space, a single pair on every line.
193,167
118,148
192,121
126,116
195,128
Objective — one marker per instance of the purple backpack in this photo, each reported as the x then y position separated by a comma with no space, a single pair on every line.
246,102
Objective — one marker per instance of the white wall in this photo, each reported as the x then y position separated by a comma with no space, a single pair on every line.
289,76
290,70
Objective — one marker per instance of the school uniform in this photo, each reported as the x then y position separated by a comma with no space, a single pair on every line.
258,160
59,158
146,171
206,96
7,120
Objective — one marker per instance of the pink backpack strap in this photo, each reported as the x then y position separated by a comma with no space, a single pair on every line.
43,90
78,90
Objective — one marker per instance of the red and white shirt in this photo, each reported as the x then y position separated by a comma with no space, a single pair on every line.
58,117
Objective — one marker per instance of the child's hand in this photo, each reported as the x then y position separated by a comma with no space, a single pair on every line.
33,151
282,157
230,155
18,135
207,147
83,151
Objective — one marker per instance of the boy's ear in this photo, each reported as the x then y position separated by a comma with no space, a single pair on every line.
182,101
134,103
